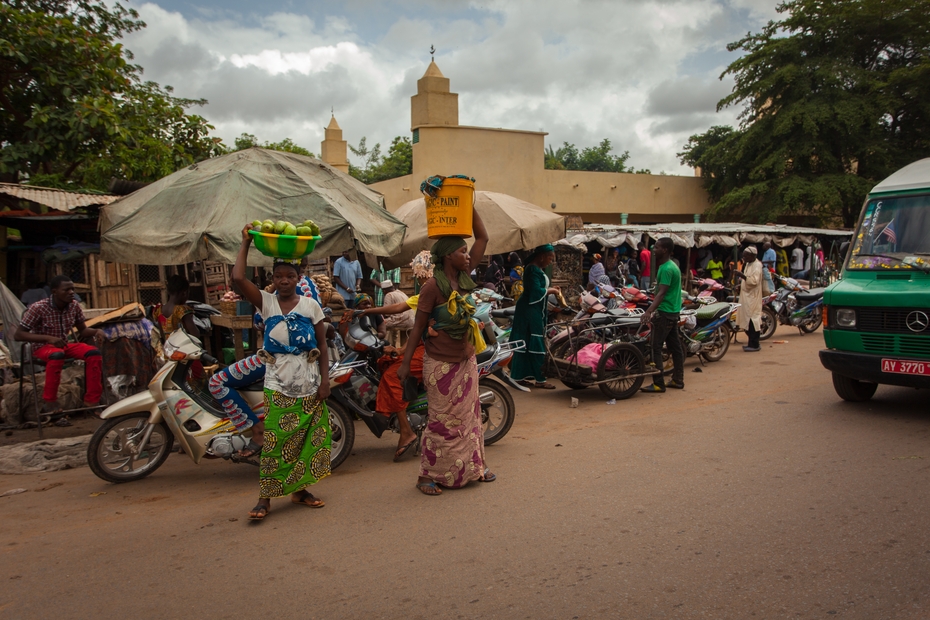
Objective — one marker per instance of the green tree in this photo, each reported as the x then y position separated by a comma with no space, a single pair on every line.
74,111
247,141
834,97
375,167
596,159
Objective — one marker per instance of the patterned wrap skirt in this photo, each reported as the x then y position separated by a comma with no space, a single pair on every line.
297,444
453,440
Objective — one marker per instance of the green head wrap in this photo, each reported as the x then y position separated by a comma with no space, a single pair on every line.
442,248
543,249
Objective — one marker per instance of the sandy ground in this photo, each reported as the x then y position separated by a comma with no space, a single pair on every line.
755,492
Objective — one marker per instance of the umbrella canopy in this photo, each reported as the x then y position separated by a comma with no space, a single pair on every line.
198,213
512,224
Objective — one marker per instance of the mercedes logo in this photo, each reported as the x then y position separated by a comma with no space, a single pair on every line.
917,321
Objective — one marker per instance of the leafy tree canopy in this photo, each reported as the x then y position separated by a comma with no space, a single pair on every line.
835,97
247,141
397,163
74,111
596,159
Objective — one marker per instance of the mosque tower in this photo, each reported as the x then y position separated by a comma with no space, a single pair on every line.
433,104
333,149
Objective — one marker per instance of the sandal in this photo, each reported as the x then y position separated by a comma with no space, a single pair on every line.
432,486
259,512
401,451
544,386
251,449
487,476
653,389
308,500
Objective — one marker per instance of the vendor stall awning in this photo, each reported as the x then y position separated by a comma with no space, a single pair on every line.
58,199
701,235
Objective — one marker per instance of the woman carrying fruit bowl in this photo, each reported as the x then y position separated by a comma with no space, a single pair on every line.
296,450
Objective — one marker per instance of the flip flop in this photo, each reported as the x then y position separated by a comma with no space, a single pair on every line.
308,500
262,511
429,485
401,451
487,476
252,448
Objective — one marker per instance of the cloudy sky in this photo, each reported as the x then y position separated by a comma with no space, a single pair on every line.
643,73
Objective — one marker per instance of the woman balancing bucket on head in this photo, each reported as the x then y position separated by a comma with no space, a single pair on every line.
296,449
453,440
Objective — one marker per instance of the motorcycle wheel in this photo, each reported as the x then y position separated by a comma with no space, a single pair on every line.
721,344
809,326
497,416
110,454
623,359
343,429
769,323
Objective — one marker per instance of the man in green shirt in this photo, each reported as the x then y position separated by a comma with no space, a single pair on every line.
663,313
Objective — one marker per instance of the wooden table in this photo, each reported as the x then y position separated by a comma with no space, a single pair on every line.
236,324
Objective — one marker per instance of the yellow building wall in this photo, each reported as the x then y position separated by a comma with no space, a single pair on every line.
512,162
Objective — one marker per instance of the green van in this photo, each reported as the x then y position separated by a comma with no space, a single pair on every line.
877,315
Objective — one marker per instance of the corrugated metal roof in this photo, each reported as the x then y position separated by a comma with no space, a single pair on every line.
58,199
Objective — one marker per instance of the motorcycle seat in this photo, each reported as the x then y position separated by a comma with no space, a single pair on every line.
807,297
504,313
713,311
487,354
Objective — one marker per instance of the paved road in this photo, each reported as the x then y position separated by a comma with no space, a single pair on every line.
754,492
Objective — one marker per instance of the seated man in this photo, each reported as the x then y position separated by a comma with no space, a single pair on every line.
47,323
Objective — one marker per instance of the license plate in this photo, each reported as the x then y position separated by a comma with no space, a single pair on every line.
905,367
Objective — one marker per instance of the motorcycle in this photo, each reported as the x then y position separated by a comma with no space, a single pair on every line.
793,305
706,331
138,432
355,379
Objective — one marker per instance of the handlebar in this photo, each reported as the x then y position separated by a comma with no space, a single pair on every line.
208,360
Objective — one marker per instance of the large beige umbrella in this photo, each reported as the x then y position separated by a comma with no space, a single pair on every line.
512,224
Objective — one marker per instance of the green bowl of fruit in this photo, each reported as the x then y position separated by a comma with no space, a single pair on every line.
283,239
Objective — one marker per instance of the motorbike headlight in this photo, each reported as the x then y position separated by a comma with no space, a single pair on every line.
846,317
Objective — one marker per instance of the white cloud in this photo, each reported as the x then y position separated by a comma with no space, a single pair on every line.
642,73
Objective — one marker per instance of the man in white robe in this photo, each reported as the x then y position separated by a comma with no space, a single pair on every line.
750,297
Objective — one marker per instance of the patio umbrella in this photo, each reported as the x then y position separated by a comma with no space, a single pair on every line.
512,224
198,212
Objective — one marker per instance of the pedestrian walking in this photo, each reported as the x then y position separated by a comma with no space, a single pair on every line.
663,313
453,440
295,453
750,297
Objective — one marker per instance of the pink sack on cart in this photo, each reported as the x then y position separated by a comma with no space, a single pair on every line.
590,355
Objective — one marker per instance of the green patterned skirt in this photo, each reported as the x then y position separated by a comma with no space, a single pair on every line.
297,444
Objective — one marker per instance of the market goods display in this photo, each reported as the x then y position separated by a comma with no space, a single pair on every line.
324,287
284,239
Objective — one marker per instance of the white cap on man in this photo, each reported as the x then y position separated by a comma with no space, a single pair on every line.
387,284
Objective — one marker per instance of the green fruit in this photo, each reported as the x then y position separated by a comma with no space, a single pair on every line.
308,223
268,222
314,230
268,227
256,224
304,231
290,229
279,226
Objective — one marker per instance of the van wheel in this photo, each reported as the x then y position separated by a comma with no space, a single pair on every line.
852,390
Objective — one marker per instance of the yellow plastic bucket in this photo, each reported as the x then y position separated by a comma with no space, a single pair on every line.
448,214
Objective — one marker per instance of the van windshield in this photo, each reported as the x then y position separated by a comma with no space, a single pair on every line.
894,234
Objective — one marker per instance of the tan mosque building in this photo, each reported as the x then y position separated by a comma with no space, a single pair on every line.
511,161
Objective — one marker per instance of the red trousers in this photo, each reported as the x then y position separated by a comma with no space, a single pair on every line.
390,397
54,359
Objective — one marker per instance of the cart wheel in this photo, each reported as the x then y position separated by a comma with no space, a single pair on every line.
616,364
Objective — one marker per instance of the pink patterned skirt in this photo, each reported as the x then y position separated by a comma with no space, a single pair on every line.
453,440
